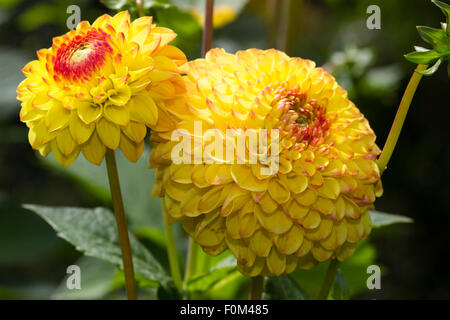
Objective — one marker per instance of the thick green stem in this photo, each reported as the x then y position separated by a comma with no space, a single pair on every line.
191,262
256,288
329,280
121,222
402,111
172,253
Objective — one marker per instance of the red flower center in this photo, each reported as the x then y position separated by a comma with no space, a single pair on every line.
82,56
302,120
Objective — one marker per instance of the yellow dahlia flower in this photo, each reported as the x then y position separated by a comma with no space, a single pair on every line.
99,87
314,206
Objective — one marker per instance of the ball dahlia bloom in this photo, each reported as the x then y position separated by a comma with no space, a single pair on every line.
314,206
100,86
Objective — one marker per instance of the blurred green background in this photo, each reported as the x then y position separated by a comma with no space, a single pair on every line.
368,63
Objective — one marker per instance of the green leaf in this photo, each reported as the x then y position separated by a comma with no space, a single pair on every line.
432,69
94,232
380,219
446,10
422,57
283,288
206,281
431,35
97,277
437,38
135,179
354,270
340,290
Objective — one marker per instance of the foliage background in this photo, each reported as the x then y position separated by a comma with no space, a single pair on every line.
369,63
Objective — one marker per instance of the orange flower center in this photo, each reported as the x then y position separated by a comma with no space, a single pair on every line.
82,56
301,120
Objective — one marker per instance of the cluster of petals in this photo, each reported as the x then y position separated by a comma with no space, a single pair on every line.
100,87
314,207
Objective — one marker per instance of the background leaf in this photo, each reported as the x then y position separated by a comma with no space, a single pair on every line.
97,277
422,57
283,288
93,232
136,184
340,290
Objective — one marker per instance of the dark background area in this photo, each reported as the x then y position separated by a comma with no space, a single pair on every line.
368,63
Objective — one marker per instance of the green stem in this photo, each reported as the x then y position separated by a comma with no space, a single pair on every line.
329,280
256,288
172,253
402,111
121,222
191,262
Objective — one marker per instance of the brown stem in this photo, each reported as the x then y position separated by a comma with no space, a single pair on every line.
208,27
256,288
272,13
121,222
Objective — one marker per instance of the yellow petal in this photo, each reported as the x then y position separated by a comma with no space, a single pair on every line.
312,220
109,133
38,135
241,251
304,248
297,211
130,149
57,117
337,236
277,222
65,142
355,229
210,200
306,198
321,254
276,262
143,109
94,150
322,232
118,115
64,160
346,251
181,173
297,184
278,191
244,177
211,234
135,131
189,205
255,269
268,205
289,242
119,96
88,112
330,188
79,130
